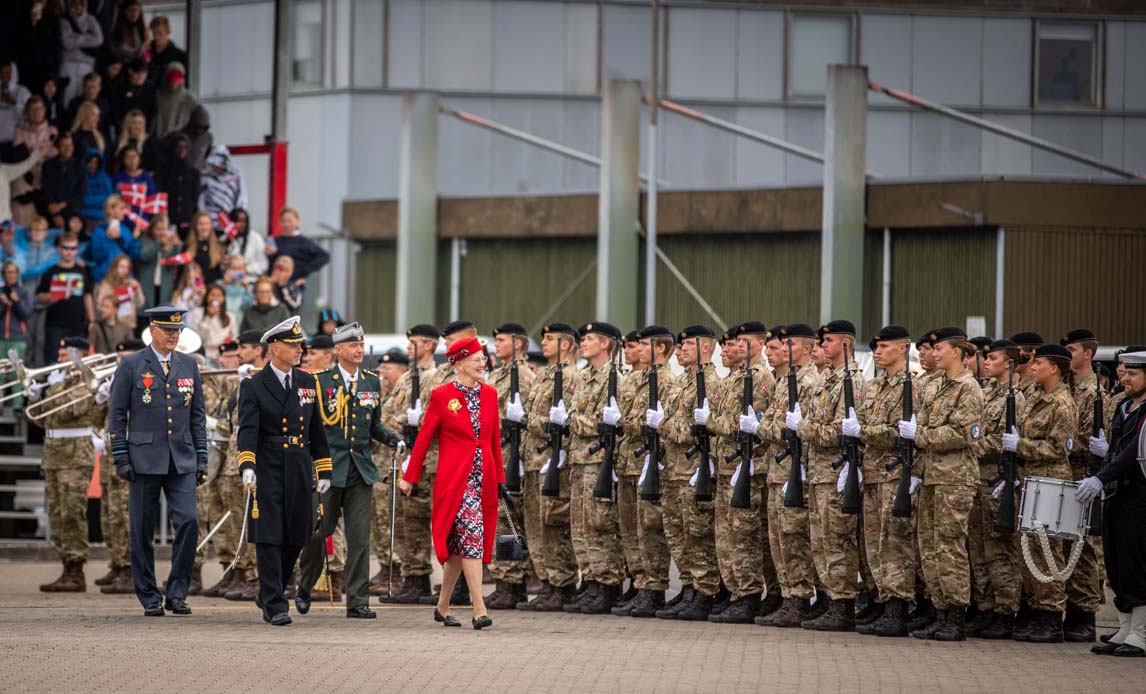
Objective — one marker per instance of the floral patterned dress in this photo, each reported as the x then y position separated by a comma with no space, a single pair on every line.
465,538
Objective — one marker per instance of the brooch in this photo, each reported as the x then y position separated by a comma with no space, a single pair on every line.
148,380
454,405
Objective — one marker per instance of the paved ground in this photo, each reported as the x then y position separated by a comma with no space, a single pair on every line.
95,642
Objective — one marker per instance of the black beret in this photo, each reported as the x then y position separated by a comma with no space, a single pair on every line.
423,330
607,329
226,346
134,345
924,339
510,329
981,342
633,336
456,327
1053,352
321,342
654,331
1027,338
395,357
890,333
250,337
560,328
774,332
944,334
695,331
76,343
798,330
1077,335
837,327
751,327
999,345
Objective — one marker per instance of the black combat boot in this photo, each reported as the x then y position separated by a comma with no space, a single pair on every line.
505,596
679,597
867,625
558,599
626,602
590,591
602,601
788,616
677,605
953,625
927,631
647,604
1080,628
414,588
841,616
922,604
894,619
1024,622
865,615
698,608
979,623
772,602
741,611
816,609
1000,628
1047,627
531,605
924,618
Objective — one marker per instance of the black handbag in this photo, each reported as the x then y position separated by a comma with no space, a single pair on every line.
509,547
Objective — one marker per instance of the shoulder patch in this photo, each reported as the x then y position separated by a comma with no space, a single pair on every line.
1069,444
974,431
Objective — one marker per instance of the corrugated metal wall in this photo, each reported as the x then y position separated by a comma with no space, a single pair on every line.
939,277
374,288
1042,294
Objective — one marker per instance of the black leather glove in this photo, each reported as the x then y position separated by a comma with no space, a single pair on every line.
503,492
123,470
201,471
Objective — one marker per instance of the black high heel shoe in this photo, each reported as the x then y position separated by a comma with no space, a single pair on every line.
447,621
482,622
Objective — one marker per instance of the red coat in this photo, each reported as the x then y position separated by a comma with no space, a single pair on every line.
448,419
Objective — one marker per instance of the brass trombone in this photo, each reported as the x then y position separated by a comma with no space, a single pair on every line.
25,377
71,396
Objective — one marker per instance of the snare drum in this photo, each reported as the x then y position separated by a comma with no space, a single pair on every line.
1052,503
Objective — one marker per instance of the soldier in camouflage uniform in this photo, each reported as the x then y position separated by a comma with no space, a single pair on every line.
1084,587
788,538
995,556
835,539
547,527
624,465
1028,342
943,431
400,411
217,391
68,460
889,542
391,367
741,534
689,523
596,541
1044,445
510,345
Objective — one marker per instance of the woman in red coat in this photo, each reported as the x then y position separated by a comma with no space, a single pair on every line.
463,415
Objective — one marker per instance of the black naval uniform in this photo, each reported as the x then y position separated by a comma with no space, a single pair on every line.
282,439
1124,513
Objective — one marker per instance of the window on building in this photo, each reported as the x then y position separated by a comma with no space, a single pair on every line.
306,67
1067,64
814,42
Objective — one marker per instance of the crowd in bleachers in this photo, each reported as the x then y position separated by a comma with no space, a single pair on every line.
118,197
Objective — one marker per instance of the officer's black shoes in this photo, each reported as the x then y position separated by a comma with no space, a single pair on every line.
447,621
153,610
953,625
1127,651
482,622
279,620
356,612
177,606
302,601
1105,648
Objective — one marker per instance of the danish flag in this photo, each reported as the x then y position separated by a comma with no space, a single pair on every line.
139,222
134,194
156,204
65,285
229,227
183,258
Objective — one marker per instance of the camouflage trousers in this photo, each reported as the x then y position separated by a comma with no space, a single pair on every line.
653,547
113,515
417,542
888,543
234,498
791,547
556,538
66,494
995,557
628,525
211,507
690,528
741,539
835,546
532,527
380,527
596,541
943,513
1084,586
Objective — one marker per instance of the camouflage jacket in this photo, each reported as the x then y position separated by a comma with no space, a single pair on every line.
589,399
947,427
991,428
1048,434
924,386
217,392
1029,386
1085,390
1111,407
500,379
676,429
820,429
633,418
879,415
625,459
725,419
537,412
772,426
394,410
79,413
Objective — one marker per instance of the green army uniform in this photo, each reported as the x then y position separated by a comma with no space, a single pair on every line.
625,465
1084,588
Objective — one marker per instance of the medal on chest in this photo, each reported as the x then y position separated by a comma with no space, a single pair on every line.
331,400
186,386
147,379
367,398
306,396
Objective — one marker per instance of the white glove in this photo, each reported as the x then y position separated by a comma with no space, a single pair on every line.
695,475
323,486
842,480
792,419
559,415
748,422
99,444
55,377
645,468
997,492
1011,440
851,426
701,414
1098,444
405,464
34,391
414,414
245,370
611,414
401,447
736,472
560,463
653,418
915,482
248,477
1089,488
907,429
514,412
212,423
103,393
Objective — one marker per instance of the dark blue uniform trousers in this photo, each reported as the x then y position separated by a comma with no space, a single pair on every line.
143,513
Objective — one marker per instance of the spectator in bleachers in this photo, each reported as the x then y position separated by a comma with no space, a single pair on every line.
105,12
134,94
54,103
190,288
128,39
236,285
199,136
174,102
92,91
328,320
9,250
204,248
264,313
65,182
212,320
15,311
288,292
13,96
116,235
41,254
157,243
123,288
40,46
80,40
110,330
86,131
180,181
308,256
99,187
133,133
248,244
221,188
28,190
10,172
130,170
66,288
162,50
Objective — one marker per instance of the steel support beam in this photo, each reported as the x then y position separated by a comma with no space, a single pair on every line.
618,203
417,211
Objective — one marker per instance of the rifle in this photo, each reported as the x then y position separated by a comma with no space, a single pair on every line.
742,492
852,501
1005,519
1094,462
410,431
607,439
511,431
651,489
703,441
793,447
904,456
551,485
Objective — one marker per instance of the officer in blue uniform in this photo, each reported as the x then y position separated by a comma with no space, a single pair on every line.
158,431
282,449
